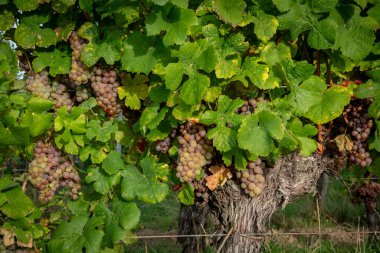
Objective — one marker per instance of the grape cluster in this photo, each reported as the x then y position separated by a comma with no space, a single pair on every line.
249,106
60,95
252,180
39,85
164,145
105,84
81,94
195,151
49,170
360,124
79,73
368,192
201,190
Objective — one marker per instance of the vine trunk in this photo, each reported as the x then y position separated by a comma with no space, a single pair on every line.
230,211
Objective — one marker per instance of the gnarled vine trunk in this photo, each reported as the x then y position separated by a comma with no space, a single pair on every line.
237,215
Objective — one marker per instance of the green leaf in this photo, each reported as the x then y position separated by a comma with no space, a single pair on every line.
254,138
59,62
146,186
102,182
273,54
37,104
355,37
28,5
38,123
318,104
272,123
6,20
186,195
108,47
134,90
224,138
6,182
31,35
173,75
122,12
230,11
265,26
100,132
61,6
18,205
113,163
96,151
258,73
172,19
194,88
81,232
152,116
298,19
141,53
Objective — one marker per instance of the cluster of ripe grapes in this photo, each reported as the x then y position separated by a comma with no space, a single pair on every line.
368,192
195,151
252,180
104,83
81,94
201,190
49,170
79,73
60,95
360,125
249,106
164,145
39,85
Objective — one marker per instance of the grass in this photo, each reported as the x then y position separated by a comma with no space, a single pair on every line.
339,214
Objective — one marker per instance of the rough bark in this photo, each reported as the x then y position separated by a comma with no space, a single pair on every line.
233,212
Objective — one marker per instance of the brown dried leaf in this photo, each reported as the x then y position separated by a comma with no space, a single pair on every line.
29,244
8,237
219,177
343,142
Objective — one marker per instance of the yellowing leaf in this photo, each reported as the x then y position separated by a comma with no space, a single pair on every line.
219,177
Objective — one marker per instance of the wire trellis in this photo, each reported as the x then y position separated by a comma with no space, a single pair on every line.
162,236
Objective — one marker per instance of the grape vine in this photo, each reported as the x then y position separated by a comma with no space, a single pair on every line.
109,104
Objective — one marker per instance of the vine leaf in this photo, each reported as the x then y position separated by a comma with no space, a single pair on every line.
59,62
108,47
123,12
100,132
258,73
16,204
317,103
146,186
113,163
174,20
299,136
61,6
6,20
81,232
133,90
265,26
230,11
358,31
29,33
224,138
257,132
186,195
26,5
141,52
151,117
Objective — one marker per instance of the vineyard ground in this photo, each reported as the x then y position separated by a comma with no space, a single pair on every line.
339,215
